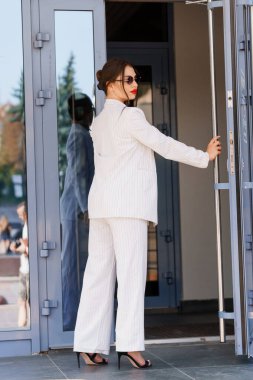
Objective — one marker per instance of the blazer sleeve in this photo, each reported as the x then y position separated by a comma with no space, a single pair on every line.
140,129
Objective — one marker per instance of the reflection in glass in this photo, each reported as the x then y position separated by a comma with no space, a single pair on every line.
75,99
145,102
14,254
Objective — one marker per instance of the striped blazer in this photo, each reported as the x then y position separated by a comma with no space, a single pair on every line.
125,180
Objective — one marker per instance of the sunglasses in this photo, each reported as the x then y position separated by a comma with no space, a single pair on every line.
129,79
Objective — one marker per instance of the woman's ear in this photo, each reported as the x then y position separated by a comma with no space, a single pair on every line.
109,86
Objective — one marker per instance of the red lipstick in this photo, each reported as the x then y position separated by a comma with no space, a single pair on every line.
134,91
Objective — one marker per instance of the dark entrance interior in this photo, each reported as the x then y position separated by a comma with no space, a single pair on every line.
153,22
132,22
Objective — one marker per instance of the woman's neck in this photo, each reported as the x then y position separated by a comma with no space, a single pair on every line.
111,97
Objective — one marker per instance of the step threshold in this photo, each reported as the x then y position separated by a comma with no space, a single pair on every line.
200,339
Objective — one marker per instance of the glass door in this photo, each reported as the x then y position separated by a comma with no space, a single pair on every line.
71,44
153,99
18,239
244,22
238,84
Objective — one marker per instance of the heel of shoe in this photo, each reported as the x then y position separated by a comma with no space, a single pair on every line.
133,361
78,359
119,357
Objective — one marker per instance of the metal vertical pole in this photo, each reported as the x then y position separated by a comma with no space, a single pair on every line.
233,204
216,178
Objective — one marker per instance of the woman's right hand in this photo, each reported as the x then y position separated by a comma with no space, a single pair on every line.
214,148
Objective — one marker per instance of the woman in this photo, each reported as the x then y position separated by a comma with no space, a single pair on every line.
20,246
122,200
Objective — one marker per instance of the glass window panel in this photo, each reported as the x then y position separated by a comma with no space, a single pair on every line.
75,105
14,253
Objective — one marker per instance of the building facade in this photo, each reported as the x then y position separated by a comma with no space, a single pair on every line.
50,50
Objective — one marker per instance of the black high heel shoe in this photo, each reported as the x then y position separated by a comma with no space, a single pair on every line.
133,361
89,359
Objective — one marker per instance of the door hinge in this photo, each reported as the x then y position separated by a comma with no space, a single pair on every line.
163,90
169,277
42,95
243,41
162,86
47,305
250,297
166,234
46,247
246,98
248,242
242,45
40,38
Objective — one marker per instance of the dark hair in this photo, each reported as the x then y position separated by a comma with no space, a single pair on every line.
80,108
22,204
110,71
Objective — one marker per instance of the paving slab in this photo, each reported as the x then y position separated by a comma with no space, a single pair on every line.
28,368
221,373
195,361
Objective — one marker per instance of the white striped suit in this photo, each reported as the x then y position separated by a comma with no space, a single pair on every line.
125,182
115,245
123,197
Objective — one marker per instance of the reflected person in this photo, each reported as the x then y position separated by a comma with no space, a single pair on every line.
20,246
5,234
73,205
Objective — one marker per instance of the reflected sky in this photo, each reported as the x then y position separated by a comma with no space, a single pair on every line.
74,33
11,56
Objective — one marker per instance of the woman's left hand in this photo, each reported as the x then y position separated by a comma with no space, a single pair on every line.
214,148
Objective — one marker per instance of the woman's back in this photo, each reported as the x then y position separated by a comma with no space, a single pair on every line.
124,184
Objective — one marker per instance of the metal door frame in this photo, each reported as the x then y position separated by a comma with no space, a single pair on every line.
231,186
22,341
243,55
238,85
51,332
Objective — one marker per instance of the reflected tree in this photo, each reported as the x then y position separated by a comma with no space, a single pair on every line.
12,131
17,111
12,152
66,86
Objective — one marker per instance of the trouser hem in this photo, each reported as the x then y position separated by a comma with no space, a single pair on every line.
91,350
130,348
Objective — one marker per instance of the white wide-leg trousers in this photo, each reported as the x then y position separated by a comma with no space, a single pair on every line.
117,246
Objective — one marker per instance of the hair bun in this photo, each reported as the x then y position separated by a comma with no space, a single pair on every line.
99,75
100,85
